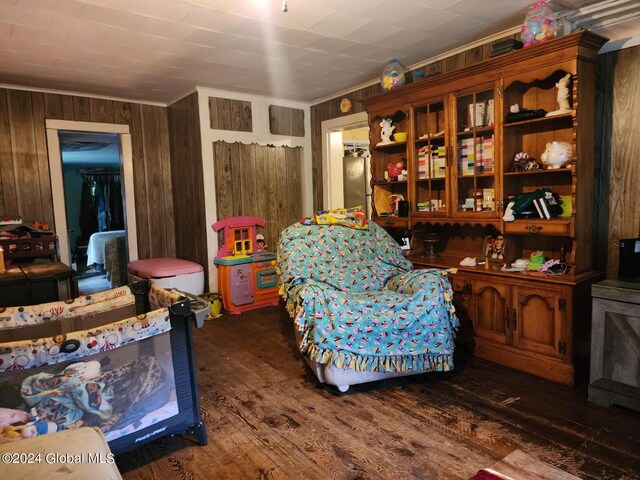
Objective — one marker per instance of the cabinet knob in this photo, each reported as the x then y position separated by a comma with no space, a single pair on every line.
533,228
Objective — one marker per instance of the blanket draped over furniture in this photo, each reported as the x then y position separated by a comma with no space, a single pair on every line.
358,305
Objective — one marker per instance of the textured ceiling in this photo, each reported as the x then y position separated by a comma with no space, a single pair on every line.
159,50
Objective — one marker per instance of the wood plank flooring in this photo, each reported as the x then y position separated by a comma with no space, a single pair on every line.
267,417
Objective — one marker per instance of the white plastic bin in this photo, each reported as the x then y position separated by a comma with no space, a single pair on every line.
169,273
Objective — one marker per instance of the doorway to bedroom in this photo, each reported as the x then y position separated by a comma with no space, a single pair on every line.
91,179
93,204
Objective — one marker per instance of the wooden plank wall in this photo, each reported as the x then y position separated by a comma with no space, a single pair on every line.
187,180
286,121
230,114
624,210
331,108
261,181
602,159
25,186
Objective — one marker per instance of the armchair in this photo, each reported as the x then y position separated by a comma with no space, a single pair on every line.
361,312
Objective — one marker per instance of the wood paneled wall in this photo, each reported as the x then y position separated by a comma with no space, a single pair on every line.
623,171
25,187
188,181
261,181
230,114
331,108
286,121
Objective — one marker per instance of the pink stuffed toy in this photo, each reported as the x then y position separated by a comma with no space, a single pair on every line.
394,170
9,416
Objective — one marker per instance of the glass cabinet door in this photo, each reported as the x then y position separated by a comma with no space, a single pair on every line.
475,185
430,157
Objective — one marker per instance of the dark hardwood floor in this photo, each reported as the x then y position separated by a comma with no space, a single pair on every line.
267,417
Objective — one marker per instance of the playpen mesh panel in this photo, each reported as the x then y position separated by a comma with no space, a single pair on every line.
119,391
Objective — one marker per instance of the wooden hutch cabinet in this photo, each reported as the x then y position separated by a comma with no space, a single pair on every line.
458,156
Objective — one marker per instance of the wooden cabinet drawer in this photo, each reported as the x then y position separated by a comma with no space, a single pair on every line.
397,222
458,284
540,227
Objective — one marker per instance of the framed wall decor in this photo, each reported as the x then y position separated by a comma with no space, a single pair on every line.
494,248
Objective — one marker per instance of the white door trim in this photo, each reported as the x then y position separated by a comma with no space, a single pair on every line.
338,124
57,187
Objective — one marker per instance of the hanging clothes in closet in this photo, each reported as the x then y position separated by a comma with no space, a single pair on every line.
101,209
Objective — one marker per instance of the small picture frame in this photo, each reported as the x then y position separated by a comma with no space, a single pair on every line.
494,248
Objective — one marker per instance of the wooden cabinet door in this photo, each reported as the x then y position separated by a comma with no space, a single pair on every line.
476,150
489,302
538,320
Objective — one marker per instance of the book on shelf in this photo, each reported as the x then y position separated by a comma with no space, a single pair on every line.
536,204
544,204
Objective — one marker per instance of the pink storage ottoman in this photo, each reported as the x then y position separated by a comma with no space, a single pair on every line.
169,273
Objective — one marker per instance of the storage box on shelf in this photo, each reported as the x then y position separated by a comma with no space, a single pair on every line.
460,155
30,247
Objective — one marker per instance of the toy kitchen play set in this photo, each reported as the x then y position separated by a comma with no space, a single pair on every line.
247,274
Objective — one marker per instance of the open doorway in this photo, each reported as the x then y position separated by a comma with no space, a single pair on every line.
345,154
91,180
91,171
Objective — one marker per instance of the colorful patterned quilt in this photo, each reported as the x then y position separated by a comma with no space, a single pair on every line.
359,305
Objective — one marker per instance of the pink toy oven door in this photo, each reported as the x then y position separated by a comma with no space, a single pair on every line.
241,284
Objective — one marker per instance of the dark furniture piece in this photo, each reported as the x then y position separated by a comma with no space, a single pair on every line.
459,155
14,287
32,283
615,344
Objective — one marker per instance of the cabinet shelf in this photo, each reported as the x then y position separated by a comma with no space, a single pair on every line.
390,147
426,180
453,261
479,130
546,171
550,121
486,175
390,182
433,140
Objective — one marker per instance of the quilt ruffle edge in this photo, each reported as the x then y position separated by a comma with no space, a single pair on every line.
397,363
367,363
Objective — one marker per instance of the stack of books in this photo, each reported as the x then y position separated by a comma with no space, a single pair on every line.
476,157
431,166
466,156
423,206
547,207
484,150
